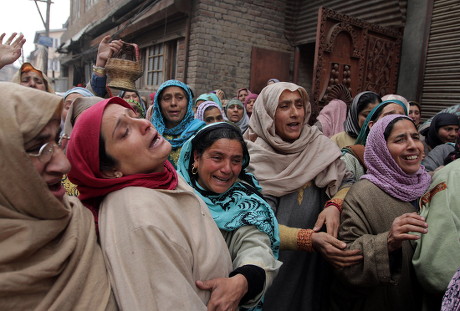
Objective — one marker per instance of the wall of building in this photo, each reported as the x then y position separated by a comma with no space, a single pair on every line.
222,36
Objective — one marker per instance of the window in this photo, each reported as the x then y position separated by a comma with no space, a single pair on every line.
89,3
76,9
160,63
155,66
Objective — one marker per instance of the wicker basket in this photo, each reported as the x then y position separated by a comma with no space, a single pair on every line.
124,68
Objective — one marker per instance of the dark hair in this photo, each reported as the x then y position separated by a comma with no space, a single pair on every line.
211,107
366,99
106,162
413,103
391,125
209,135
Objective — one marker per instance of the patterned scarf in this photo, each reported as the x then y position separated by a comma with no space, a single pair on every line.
186,128
205,105
384,172
242,204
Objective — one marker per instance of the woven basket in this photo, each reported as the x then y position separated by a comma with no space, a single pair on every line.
124,68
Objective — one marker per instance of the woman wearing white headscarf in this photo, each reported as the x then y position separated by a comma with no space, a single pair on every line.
299,169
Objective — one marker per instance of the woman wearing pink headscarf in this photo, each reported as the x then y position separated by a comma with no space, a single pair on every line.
332,117
380,218
249,103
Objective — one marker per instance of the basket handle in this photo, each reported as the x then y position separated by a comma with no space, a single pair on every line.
127,50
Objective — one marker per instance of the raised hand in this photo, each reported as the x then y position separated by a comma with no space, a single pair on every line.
106,49
10,51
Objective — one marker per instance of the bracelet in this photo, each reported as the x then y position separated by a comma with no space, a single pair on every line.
335,202
304,240
99,70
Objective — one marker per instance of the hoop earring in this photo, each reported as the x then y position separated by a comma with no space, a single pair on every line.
194,170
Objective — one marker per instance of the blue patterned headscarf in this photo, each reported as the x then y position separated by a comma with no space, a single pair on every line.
186,128
242,204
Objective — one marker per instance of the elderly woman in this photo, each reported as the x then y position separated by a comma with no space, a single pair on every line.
380,217
50,258
236,113
70,96
214,163
362,104
173,115
299,169
209,112
29,76
119,163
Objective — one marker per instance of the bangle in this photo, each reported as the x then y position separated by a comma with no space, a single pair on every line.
304,240
99,70
335,202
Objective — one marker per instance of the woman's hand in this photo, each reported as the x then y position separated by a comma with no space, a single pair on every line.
334,251
330,216
10,51
106,49
402,225
226,293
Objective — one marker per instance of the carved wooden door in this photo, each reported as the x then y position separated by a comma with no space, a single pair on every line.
359,55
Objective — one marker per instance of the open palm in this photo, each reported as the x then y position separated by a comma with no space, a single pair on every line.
10,51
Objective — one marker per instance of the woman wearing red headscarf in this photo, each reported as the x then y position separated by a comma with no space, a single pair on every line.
157,236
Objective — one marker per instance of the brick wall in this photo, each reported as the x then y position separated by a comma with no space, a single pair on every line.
221,38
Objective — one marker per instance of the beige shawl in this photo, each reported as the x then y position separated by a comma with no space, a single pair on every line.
283,167
49,258
79,105
17,78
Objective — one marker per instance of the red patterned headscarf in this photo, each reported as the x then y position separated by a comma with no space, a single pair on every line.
83,154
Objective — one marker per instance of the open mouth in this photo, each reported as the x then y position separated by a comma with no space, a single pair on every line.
220,179
155,141
55,187
411,157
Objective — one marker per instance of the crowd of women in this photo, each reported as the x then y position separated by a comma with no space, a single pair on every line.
208,203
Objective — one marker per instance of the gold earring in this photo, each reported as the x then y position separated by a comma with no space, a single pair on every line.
194,170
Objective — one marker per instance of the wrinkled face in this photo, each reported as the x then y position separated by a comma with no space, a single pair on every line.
448,133
134,143
53,170
289,116
132,96
250,105
219,165
173,105
212,115
235,113
242,95
414,114
405,146
67,102
362,115
33,79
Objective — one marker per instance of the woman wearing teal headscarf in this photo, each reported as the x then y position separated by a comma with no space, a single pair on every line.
213,163
173,115
353,156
